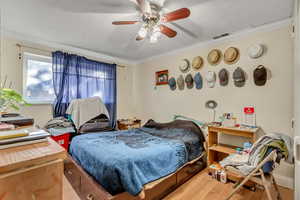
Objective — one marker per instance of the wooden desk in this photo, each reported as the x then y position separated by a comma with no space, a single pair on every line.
32,172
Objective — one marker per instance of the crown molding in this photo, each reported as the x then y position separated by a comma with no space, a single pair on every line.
237,35
50,44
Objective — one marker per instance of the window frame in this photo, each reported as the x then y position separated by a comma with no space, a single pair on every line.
31,56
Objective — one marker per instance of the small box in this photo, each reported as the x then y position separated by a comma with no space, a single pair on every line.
63,140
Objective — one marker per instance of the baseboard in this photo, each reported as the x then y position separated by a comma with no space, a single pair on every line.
284,181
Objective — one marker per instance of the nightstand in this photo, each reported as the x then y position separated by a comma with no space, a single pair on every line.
125,124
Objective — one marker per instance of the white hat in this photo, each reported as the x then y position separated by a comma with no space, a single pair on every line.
184,65
211,79
256,51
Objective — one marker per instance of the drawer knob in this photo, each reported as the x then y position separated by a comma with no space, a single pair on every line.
69,172
90,197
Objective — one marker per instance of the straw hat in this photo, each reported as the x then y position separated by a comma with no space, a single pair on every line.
197,62
231,55
214,56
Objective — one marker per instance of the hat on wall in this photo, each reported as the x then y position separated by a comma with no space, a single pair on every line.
180,82
256,51
211,79
189,81
214,56
231,55
197,62
260,75
198,80
239,77
223,77
172,83
184,66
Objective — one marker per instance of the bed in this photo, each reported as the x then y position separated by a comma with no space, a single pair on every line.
126,164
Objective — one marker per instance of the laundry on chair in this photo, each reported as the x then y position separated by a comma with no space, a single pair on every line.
260,149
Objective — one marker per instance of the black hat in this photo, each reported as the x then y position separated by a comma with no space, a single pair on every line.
223,77
239,77
189,81
260,75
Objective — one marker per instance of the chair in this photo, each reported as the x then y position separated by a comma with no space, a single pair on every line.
259,177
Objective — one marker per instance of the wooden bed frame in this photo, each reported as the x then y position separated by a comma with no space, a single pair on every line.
88,189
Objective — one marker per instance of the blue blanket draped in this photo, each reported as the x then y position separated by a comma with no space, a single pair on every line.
127,160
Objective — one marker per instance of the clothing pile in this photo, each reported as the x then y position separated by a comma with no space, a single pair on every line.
245,163
83,110
59,125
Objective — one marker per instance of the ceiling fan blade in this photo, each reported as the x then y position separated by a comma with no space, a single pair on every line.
176,15
124,22
167,31
139,38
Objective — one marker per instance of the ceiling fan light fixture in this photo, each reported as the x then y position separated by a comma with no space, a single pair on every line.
143,32
155,36
153,39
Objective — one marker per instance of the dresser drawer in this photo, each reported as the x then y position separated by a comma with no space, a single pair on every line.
38,182
190,170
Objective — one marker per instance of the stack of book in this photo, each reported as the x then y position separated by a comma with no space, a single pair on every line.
18,137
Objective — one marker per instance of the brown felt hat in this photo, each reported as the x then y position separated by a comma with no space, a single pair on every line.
231,55
214,57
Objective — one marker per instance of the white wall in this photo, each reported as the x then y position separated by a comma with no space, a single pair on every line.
11,67
297,91
273,102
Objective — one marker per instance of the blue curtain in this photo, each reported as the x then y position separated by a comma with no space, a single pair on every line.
76,77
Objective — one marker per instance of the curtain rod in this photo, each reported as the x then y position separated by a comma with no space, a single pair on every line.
21,45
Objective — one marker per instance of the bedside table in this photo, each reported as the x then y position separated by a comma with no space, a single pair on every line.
125,124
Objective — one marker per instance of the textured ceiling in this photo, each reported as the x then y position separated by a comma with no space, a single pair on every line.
87,23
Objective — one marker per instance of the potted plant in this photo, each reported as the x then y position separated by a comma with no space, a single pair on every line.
10,99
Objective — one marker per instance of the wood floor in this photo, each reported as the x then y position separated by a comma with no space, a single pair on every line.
200,187
68,192
203,187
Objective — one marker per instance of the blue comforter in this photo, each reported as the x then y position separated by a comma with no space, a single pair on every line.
127,160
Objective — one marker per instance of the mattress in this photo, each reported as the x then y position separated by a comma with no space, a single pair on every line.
127,160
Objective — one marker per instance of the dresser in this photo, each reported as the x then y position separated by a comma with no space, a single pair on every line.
32,172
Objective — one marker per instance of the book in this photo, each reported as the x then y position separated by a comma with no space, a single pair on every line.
5,127
23,143
18,121
8,134
35,135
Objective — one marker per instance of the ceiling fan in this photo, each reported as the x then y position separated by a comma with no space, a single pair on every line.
152,20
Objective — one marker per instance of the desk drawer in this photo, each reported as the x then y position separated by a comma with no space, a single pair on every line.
38,182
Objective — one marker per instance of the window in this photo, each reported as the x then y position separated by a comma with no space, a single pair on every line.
37,84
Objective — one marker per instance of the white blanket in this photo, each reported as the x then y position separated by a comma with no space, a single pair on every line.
83,110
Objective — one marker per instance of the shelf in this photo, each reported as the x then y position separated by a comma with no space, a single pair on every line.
227,149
